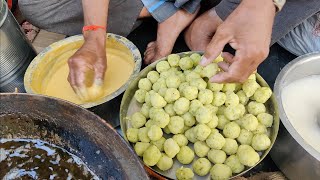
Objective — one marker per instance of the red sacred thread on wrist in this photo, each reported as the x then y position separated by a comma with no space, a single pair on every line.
92,28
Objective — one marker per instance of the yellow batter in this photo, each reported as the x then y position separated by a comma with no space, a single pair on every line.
120,65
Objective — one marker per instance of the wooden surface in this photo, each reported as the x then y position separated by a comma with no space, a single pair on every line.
45,38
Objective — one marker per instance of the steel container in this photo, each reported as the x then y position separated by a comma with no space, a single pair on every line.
16,52
295,157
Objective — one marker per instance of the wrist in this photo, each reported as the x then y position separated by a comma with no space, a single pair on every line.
96,39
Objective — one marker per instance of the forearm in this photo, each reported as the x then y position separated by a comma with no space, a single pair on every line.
95,13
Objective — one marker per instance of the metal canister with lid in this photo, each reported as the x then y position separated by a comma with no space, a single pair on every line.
16,52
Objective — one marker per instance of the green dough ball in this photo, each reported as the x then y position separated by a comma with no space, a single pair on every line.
249,87
265,119
234,112
201,166
186,63
215,87
155,133
171,148
173,81
262,94
252,77
181,106
231,130
140,95
221,110
191,76
213,123
242,97
132,135
189,120
180,139
172,95
220,171
150,123
203,115
161,118
145,110
166,130
213,109
238,87
190,92
230,147
191,135
231,99
183,86
138,120
229,87
198,69
153,76
201,149
256,108
166,74
249,122
147,98
234,163
184,174
217,156
219,98
164,163
261,129
185,155
162,66
210,70
215,140
245,137
185,128
222,121
194,106
176,124
145,84
201,132
151,156
260,142
214,131
153,112
195,58
157,86
162,92
182,77
159,143
143,134
247,155
199,83
157,101
169,110
141,147
173,60
205,96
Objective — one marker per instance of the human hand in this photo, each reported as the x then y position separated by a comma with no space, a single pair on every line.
88,65
248,30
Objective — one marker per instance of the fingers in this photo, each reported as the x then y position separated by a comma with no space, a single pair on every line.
224,66
228,57
215,47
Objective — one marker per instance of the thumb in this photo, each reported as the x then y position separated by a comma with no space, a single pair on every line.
214,48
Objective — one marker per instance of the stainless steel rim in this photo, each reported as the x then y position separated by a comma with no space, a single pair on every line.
3,11
277,90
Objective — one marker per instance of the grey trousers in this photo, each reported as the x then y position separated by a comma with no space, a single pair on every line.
66,16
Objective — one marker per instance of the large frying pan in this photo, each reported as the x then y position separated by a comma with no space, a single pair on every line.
73,128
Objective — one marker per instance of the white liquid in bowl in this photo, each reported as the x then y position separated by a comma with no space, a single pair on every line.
301,102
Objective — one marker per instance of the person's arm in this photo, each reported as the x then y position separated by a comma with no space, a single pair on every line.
91,57
248,30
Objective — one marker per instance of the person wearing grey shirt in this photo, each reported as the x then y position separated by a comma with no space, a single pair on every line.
249,26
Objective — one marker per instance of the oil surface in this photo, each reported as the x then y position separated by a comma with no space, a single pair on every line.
36,159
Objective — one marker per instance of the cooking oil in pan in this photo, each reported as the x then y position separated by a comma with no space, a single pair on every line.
36,159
